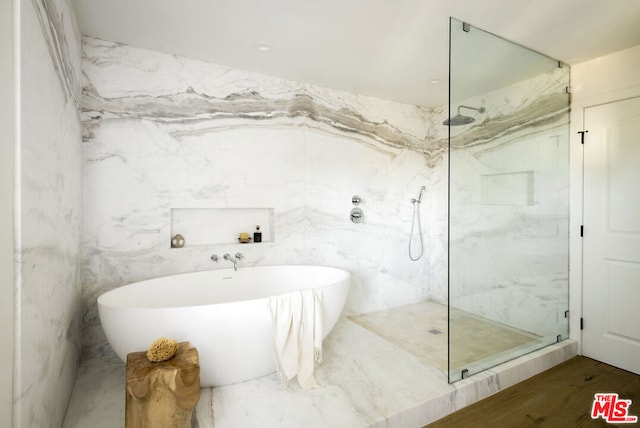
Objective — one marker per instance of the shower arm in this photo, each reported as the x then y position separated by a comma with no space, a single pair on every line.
478,109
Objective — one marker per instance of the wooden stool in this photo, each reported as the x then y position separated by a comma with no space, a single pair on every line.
164,394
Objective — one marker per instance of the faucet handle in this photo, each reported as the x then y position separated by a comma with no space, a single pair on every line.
226,256
214,257
239,256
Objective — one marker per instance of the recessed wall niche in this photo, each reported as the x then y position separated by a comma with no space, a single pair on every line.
513,188
211,226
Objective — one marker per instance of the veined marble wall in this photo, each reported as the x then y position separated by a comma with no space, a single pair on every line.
510,207
163,132
7,180
48,213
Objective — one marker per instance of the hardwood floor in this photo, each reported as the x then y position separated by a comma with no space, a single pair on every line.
561,397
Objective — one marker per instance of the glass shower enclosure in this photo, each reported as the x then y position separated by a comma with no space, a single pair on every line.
508,200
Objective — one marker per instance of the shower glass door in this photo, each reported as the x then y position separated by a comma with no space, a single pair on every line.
508,200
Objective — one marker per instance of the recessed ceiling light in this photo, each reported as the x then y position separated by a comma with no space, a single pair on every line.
434,81
263,47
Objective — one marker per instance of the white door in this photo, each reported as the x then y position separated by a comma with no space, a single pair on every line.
611,243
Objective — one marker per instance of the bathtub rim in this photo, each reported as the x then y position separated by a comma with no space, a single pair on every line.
103,300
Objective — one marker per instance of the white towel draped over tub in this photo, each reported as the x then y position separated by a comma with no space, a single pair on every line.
297,334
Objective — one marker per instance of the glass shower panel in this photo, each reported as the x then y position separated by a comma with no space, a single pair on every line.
508,200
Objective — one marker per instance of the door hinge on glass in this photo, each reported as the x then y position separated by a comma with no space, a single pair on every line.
581,230
581,323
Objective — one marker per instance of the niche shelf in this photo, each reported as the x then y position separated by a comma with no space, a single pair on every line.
212,226
510,188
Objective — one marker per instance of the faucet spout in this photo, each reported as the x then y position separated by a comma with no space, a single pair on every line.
233,260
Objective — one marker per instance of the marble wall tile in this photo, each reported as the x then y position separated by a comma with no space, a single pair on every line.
164,132
48,223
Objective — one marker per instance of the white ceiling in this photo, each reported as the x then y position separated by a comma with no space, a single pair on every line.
390,49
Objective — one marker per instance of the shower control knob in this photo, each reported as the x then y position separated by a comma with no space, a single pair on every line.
356,215
355,200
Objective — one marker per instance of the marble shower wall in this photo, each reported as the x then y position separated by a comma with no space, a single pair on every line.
164,132
48,193
510,207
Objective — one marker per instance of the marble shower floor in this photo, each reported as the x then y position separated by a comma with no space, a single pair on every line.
367,381
423,328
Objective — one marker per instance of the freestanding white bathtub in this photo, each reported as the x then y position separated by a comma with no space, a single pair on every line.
223,313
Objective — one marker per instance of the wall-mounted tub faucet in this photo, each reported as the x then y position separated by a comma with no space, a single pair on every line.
235,259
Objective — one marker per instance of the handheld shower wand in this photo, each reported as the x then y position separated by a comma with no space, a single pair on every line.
414,200
416,214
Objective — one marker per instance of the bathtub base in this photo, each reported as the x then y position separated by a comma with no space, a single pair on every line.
223,313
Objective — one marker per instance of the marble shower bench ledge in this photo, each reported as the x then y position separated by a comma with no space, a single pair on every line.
367,382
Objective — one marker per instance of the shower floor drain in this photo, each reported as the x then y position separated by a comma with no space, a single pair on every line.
435,331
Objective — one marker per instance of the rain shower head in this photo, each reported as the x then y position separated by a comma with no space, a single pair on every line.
459,119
